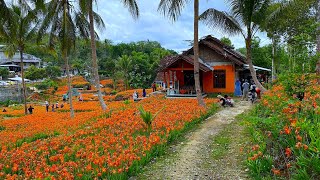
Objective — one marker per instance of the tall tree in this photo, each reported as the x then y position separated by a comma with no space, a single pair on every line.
245,18
124,64
17,32
318,40
86,7
173,8
63,22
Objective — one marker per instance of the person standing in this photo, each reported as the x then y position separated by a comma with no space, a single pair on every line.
153,87
237,91
52,107
47,106
30,109
245,87
144,93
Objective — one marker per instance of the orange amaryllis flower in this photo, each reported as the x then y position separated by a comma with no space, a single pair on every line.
287,130
288,152
299,138
305,147
276,171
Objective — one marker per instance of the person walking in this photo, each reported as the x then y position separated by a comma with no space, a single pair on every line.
245,87
47,106
52,107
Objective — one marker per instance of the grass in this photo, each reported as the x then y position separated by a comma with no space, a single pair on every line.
221,144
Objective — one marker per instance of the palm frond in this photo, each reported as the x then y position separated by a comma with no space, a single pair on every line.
221,20
133,7
172,8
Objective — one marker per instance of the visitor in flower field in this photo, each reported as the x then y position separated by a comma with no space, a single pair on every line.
57,105
61,106
64,98
154,87
80,97
4,110
52,107
135,96
222,100
245,87
47,106
30,109
229,100
144,93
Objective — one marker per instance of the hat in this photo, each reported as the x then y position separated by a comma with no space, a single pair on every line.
219,96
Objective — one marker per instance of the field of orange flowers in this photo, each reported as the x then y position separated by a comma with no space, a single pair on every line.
95,143
285,129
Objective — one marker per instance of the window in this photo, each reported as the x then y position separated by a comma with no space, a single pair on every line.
219,79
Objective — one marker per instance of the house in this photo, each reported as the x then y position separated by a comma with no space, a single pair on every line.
220,66
14,63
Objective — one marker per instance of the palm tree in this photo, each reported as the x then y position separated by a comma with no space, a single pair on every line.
86,8
16,33
245,18
172,8
63,22
124,64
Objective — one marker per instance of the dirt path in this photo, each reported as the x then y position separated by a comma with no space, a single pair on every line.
193,159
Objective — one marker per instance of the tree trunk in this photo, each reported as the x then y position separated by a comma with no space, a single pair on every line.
318,42
252,71
273,60
23,82
196,54
94,59
65,57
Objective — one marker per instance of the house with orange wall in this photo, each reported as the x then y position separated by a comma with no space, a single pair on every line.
220,67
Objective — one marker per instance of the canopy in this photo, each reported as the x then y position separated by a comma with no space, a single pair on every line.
18,79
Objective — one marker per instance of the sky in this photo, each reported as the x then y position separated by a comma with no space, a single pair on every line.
152,25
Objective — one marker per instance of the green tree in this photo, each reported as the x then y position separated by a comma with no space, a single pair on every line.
64,22
172,8
34,73
4,73
17,32
227,41
53,71
245,18
124,65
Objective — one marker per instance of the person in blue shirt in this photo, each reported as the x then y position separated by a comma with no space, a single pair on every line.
144,93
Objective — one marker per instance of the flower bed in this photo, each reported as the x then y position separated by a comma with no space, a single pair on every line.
110,147
285,129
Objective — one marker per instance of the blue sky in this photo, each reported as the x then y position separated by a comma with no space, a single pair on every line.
151,25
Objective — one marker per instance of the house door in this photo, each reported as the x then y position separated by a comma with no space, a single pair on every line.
188,78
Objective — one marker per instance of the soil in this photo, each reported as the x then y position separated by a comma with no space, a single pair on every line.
210,151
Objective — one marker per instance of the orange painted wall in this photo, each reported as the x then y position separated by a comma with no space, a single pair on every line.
230,80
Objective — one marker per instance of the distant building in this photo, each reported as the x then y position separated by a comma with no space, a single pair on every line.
14,63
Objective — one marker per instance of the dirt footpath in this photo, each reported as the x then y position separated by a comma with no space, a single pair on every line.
192,159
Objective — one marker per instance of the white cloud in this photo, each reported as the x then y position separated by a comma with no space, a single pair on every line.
151,25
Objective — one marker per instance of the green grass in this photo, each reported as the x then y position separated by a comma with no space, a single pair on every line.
221,144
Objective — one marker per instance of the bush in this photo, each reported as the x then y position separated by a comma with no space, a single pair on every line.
285,130
47,84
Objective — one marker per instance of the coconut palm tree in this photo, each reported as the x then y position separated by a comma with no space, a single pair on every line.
17,32
124,64
173,8
245,18
86,8
64,23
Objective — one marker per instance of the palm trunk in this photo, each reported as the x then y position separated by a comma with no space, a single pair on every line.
23,83
196,54
273,59
318,42
249,61
94,59
65,57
